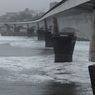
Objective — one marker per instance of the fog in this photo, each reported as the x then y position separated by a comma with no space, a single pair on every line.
19,5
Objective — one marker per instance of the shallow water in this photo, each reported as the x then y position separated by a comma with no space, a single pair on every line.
28,68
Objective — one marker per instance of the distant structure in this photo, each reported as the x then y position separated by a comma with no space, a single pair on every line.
52,4
24,15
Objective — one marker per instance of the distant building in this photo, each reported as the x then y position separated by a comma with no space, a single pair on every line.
53,4
24,15
32,12
10,14
7,16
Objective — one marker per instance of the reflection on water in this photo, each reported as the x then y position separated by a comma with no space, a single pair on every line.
61,89
67,89
48,88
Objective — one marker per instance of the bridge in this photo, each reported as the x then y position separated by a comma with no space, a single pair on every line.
68,17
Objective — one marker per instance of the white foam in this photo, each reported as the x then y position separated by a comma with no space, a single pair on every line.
76,71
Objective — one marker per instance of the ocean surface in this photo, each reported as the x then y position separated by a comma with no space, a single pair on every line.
27,68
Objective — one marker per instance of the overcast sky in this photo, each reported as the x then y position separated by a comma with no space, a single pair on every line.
19,5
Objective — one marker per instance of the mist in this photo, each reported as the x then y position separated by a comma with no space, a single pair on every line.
19,5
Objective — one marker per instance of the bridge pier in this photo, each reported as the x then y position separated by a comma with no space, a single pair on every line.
63,44
30,32
63,48
92,41
92,54
48,36
8,28
40,33
17,28
27,26
48,39
92,77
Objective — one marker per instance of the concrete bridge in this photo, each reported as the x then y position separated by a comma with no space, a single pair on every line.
75,15
68,16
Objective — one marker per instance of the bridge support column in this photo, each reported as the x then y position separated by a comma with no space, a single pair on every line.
48,36
92,77
92,41
8,28
40,33
30,32
63,48
63,45
27,26
16,28
48,39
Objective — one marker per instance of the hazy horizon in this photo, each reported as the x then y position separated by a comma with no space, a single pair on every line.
16,5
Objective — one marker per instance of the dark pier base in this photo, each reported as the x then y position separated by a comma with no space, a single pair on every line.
30,32
63,48
41,34
92,77
48,39
63,58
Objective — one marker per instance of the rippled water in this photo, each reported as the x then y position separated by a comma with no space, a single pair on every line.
28,63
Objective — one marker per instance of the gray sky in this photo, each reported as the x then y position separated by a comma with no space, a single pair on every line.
19,5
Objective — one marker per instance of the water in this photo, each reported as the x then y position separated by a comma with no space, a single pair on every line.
28,68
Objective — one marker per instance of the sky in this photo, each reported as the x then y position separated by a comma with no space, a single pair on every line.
20,5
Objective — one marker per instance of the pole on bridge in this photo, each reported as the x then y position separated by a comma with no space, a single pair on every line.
63,44
48,36
92,41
